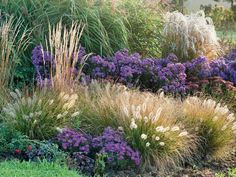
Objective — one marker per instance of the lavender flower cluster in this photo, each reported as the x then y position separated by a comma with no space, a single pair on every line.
132,70
112,144
149,73
72,141
43,61
44,64
83,148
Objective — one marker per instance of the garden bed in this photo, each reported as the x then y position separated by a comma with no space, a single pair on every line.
74,101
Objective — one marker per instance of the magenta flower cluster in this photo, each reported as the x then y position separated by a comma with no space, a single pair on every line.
83,148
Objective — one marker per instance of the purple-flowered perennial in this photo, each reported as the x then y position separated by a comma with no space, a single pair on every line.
73,141
83,148
150,73
112,143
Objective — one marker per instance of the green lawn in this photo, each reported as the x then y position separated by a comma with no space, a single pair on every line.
231,173
31,169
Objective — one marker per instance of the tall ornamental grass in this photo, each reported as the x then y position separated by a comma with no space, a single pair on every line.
64,44
104,31
148,121
13,41
189,36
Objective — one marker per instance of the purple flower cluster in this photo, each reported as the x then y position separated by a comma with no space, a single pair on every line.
112,144
83,148
149,73
132,70
44,64
224,67
72,141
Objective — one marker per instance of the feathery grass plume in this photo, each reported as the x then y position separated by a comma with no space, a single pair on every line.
40,116
148,121
190,36
214,125
64,44
12,42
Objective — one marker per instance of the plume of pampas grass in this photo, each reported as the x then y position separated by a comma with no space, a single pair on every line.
189,36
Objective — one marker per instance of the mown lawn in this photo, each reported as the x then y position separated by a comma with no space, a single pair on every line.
30,169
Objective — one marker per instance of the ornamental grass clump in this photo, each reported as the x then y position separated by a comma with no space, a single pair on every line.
190,36
40,115
149,123
214,125
64,47
12,42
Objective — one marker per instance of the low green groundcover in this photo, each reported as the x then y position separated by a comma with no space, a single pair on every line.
230,173
31,169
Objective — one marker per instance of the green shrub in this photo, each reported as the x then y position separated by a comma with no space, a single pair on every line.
14,144
40,115
29,169
214,125
221,16
11,139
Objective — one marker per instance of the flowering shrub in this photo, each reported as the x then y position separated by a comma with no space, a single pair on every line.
124,68
83,149
39,116
214,124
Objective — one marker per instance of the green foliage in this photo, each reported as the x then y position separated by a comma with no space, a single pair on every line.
104,31
100,164
29,169
221,16
145,23
39,116
10,140
230,173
